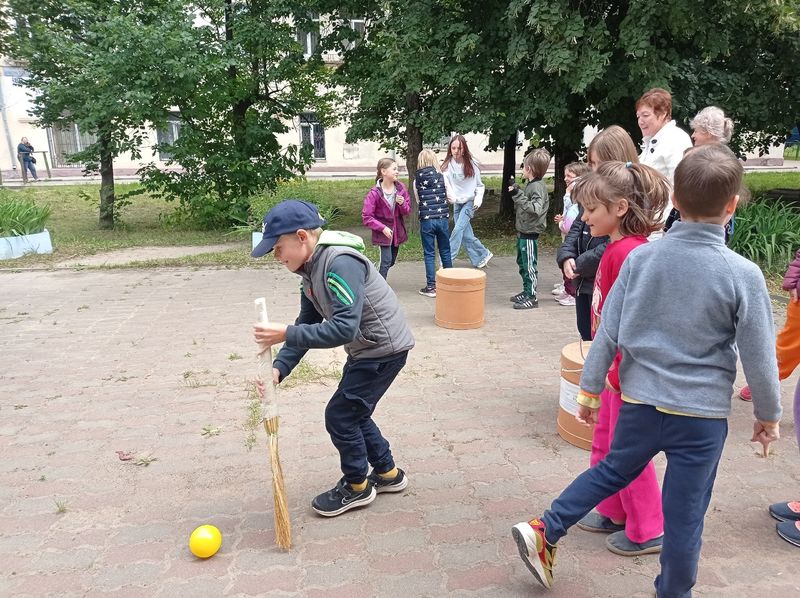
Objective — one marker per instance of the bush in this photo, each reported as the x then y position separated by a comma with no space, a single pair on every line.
21,216
295,189
767,232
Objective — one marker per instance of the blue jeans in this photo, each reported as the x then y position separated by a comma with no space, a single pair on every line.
348,416
27,164
462,233
388,258
431,232
693,446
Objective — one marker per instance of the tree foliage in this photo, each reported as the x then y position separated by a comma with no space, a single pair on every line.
240,81
89,63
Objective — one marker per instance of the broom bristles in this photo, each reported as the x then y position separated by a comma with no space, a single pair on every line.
283,523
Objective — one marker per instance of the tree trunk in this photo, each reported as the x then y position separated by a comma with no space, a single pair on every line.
509,168
106,183
563,155
414,147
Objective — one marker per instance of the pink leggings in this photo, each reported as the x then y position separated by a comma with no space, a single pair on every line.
639,505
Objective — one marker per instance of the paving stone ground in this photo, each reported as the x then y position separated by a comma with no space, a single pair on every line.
100,361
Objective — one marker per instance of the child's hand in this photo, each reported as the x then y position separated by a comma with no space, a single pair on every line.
276,379
765,433
586,415
558,218
793,296
399,199
387,232
569,268
269,334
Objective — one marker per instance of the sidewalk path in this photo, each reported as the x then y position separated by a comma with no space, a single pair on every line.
95,362
74,176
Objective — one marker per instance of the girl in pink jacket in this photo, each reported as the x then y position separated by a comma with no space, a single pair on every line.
384,208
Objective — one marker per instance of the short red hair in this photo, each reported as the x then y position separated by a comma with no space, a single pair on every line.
658,99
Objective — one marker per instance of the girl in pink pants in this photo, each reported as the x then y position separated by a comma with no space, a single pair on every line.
623,200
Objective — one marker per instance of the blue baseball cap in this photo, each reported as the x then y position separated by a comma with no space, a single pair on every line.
289,216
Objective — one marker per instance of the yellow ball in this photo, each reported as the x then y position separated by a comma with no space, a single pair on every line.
205,541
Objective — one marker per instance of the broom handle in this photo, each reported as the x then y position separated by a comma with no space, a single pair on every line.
270,405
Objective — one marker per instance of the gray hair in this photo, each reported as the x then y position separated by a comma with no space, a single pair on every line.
712,120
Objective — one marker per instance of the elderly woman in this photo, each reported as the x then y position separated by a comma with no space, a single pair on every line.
663,142
710,125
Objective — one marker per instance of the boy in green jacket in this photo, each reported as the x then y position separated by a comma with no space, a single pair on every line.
531,209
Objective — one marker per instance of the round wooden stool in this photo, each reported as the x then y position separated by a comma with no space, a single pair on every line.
460,298
572,357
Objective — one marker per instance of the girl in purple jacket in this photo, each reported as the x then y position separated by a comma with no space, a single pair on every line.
384,208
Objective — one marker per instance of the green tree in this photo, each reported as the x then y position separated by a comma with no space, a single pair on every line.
593,60
397,80
242,80
90,63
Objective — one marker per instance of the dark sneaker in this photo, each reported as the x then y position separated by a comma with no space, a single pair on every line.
618,543
342,498
527,303
428,291
398,484
518,297
537,554
785,511
595,522
789,531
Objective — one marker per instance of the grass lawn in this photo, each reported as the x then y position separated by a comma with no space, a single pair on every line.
75,232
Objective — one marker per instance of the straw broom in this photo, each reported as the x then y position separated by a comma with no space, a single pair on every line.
283,524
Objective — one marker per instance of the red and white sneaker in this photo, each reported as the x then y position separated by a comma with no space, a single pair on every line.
745,394
537,554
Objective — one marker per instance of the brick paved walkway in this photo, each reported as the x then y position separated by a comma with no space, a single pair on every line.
95,362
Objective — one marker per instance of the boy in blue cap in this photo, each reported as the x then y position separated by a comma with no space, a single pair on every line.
344,301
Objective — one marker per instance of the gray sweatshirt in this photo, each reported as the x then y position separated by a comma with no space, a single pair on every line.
677,312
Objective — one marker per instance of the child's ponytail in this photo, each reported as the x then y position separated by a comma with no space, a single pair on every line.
646,190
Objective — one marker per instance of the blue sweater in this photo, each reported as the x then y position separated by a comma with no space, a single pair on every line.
677,312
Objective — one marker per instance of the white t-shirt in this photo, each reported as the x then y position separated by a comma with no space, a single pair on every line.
464,189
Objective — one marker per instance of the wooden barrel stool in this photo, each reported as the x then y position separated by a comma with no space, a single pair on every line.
572,358
460,298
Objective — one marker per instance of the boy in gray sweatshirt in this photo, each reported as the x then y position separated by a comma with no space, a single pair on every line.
677,312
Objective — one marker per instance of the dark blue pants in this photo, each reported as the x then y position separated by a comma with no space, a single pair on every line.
348,416
583,314
434,231
693,446
388,258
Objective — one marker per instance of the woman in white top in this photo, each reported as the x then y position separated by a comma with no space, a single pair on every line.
465,189
663,142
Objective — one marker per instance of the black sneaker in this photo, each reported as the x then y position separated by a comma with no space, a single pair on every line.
527,303
398,484
518,297
428,291
342,498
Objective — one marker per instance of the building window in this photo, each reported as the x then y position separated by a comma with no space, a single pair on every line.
359,25
168,135
308,35
312,133
66,140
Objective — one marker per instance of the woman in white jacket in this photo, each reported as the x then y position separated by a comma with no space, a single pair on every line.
663,142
